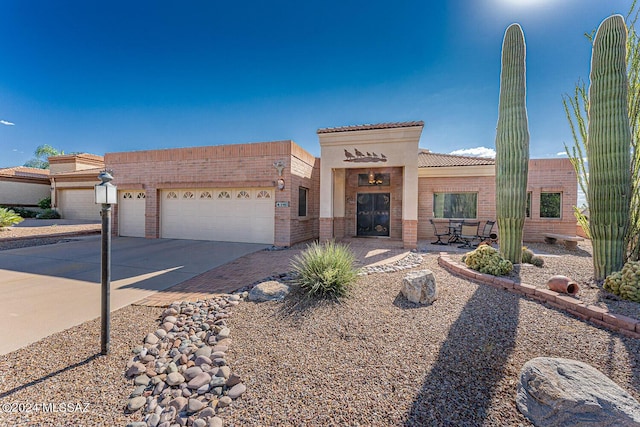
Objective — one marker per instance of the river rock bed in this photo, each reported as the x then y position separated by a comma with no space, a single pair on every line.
180,373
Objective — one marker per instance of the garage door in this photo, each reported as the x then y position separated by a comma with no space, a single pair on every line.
78,204
131,208
225,214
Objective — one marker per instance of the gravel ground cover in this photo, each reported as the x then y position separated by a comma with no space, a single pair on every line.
373,359
22,237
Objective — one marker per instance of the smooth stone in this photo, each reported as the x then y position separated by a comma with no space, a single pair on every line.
218,347
201,360
224,371
202,390
161,333
199,380
169,319
420,287
135,369
204,351
224,401
179,403
199,423
153,420
194,405
233,380
237,390
174,378
172,367
151,339
168,326
136,403
224,333
215,422
217,354
207,412
270,290
563,392
192,372
142,380
137,391
217,382
137,424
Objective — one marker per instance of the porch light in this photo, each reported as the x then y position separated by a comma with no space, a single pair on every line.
372,177
106,195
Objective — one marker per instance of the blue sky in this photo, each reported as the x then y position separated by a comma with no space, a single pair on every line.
118,76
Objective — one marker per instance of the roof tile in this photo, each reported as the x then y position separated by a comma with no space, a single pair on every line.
371,127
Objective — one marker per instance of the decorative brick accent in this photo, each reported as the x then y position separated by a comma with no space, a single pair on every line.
410,233
326,229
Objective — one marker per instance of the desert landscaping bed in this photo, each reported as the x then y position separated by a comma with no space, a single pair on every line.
374,359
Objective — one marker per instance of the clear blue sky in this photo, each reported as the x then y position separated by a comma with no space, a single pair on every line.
117,76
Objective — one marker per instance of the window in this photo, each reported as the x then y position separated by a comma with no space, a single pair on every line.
243,195
224,195
302,201
455,205
373,179
550,205
527,212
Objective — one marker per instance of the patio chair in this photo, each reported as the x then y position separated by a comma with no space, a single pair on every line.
486,234
439,234
455,226
468,233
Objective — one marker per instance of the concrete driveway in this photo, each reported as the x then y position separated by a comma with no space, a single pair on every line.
47,289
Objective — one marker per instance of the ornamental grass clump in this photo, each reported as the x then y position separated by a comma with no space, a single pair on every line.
625,283
487,259
325,270
9,218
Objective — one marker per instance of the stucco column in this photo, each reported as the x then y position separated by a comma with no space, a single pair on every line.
326,202
410,206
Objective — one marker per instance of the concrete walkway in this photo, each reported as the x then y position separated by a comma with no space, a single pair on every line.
46,289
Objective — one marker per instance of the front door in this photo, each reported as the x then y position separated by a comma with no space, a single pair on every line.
373,214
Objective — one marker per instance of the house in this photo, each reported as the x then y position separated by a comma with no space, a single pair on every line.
73,177
370,180
23,187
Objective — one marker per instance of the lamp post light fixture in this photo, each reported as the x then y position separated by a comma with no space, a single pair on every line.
106,195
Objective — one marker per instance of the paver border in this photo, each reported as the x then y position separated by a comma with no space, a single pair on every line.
599,316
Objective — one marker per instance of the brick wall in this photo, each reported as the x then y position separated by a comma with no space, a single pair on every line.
238,165
545,175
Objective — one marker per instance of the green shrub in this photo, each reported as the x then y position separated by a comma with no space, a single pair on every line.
9,218
325,270
48,214
527,254
45,203
537,261
625,283
25,213
487,259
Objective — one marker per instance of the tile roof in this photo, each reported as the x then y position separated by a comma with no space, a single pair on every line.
427,159
82,172
25,172
371,126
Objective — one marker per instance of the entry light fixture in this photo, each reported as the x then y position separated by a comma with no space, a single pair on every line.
106,192
374,179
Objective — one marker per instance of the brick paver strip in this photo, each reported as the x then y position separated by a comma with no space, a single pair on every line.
600,316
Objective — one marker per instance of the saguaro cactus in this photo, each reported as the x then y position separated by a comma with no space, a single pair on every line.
608,147
512,146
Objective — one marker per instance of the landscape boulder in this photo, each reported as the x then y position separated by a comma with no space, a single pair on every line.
271,290
563,392
420,287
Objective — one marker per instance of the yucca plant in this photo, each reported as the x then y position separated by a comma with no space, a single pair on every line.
9,218
325,270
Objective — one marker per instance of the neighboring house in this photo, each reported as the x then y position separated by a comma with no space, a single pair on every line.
373,180
23,187
73,177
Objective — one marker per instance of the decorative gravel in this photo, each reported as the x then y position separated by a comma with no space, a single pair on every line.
372,359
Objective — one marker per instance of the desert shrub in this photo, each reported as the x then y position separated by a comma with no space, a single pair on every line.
45,203
537,261
625,283
487,259
25,213
527,254
325,270
48,214
9,218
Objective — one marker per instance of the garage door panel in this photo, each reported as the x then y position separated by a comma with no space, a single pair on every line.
240,215
131,213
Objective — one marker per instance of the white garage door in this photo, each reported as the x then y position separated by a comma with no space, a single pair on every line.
131,208
229,215
78,204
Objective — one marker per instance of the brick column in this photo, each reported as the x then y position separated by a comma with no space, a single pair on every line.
326,229
338,227
152,213
410,233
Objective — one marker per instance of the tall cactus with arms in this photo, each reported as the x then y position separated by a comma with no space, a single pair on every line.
608,147
512,146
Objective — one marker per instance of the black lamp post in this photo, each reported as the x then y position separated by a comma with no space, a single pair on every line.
106,195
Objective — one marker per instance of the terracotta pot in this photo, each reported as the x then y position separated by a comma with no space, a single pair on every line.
563,284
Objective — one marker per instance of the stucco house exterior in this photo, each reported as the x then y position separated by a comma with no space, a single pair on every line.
23,187
73,177
370,180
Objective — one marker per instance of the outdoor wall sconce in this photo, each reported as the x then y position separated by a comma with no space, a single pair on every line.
374,179
280,184
279,165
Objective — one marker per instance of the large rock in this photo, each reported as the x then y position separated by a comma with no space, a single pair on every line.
269,291
420,287
563,392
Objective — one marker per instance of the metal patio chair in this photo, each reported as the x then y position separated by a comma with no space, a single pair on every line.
468,233
486,234
439,234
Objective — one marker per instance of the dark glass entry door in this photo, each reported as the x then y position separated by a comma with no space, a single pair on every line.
373,214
